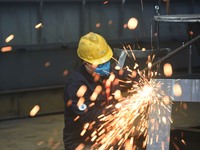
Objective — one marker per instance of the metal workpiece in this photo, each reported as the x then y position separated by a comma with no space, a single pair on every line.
183,119
189,89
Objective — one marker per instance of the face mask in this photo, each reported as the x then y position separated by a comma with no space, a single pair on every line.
103,69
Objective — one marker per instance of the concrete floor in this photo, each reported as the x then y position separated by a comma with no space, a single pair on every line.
45,132
39,133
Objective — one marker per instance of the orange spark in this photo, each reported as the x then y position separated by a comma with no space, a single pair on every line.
81,91
167,70
143,49
9,38
96,77
93,96
35,110
132,23
47,64
75,119
6,49
69,103
117,94
185,106
81,101
149,65
177,90
166,100
105,2
91,104
125,26
39,25
183,141
111,77
80,147
98,25
65,72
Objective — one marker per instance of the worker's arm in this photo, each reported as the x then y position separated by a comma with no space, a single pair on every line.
84,111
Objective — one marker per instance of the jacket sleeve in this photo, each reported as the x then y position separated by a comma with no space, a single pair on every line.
86,113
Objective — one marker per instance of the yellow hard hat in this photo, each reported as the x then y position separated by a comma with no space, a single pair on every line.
94,49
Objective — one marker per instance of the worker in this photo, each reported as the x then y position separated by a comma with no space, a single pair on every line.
93,76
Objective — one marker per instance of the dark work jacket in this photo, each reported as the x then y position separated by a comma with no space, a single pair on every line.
72,129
